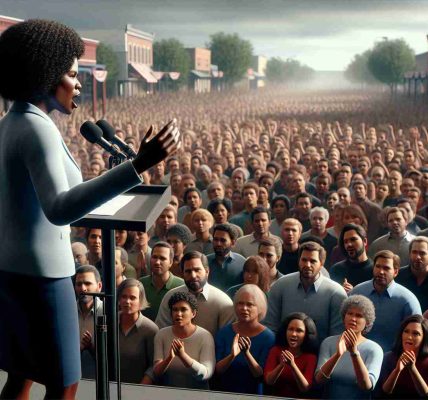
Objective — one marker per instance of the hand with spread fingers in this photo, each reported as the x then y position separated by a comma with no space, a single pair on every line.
155,148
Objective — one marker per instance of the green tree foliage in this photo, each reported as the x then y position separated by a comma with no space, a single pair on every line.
107,56
358,70
169,55
232,55
389,60
278,70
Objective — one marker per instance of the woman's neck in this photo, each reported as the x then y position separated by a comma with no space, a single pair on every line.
183,332
250,328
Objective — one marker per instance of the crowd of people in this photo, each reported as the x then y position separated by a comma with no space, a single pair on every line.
292,259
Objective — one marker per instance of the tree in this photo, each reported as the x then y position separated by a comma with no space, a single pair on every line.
232,55
107,56
278,70
169,55
389,60
358,70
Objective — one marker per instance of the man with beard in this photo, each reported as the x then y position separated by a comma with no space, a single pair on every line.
225,265
393,302
415,275
215,308
307,291
87,279
357,267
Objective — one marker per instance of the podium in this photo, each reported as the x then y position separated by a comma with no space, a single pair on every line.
139,214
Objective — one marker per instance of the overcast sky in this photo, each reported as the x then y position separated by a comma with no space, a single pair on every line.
324,34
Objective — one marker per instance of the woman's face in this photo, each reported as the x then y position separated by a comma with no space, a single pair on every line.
279,209
251,276
129,301
182,314
332,200
68,88
121,236
412,336
295,333
354,319
220,214
141,238
351,219
201,224
246,308
263,195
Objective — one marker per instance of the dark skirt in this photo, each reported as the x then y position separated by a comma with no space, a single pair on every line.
39,329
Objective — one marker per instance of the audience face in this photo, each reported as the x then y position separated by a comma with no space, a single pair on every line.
220,214
406,206
193,201
166,219
344,196
246,308
296,332
303,206
160,261
412,337
396,223
318,221
384,272
269,254
279,210
360,192
354,320
216,191
250,275
250,198
120,236
354,245
419,257
290,234
222,243
201,224
322,185
394,181
177,245
261,223
86,283
332,200
94,242
79,253
182,314
129,301
309,265
298,183
195,275
382,192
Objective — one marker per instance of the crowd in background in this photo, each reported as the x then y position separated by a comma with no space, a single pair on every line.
292,259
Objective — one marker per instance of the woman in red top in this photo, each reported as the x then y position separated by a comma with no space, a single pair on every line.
291,363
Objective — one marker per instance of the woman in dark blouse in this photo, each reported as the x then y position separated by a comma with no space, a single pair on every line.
405,369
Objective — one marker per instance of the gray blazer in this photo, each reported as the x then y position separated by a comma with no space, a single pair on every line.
41,193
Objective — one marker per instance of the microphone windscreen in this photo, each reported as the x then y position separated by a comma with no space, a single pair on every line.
91,132
108,131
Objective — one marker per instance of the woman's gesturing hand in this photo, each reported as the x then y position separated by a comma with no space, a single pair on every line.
155,148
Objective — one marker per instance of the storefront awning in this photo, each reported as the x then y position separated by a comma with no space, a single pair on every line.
201,74
144,71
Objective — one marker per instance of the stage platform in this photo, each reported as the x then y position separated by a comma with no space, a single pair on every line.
139,392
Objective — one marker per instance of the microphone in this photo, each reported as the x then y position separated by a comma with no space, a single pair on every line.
92,133
109,134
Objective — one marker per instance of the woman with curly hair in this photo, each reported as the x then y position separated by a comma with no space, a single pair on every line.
184,352
41,194
349,364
